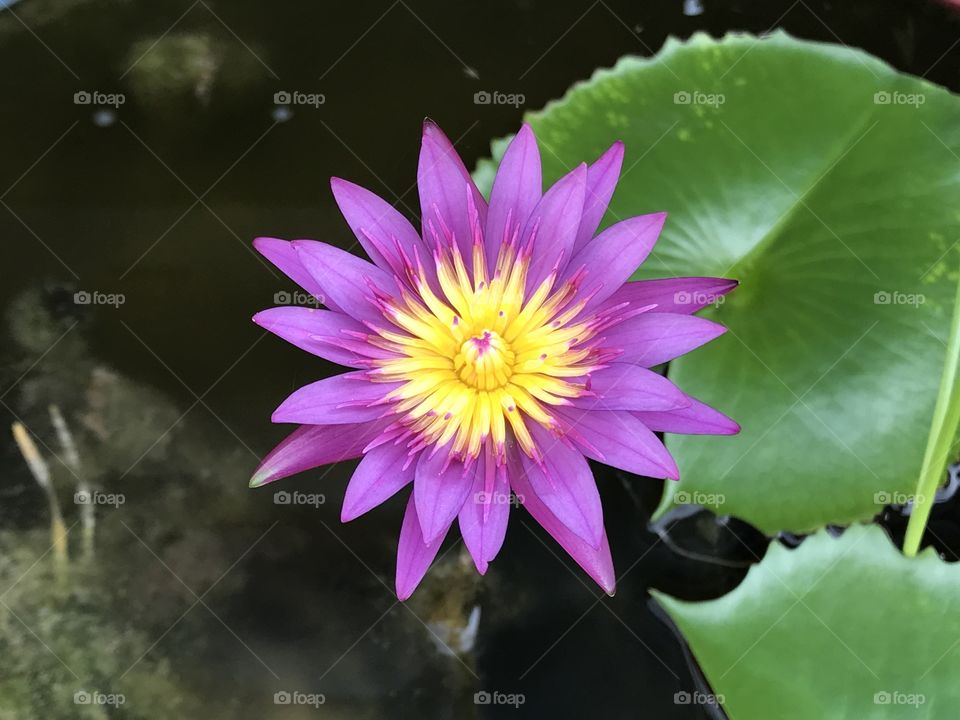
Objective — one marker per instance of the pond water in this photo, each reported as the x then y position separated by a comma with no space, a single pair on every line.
143,149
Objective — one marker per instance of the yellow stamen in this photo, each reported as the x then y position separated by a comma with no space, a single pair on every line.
479,358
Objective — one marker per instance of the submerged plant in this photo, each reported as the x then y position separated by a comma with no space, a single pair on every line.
494,352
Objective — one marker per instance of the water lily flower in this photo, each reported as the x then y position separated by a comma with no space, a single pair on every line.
493,353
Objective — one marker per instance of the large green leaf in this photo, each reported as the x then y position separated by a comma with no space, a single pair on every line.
838,628
827,183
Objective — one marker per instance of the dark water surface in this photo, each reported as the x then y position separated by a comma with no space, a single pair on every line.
198,597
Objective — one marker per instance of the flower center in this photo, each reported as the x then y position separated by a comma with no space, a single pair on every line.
485,353
485,361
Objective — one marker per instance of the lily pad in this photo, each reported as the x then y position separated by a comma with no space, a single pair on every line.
826,182
838,628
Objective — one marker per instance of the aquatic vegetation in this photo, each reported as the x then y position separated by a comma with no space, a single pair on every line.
837,333
845,324
493,353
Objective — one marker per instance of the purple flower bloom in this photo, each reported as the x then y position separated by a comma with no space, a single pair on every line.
493,352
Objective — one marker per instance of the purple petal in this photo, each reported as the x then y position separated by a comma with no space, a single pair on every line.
413,554
347,398
379,227
483,517
516,191
696,419
382,473
653,338
313,445
602,178
618,439
613,256
345,278
552,226
565,485
440,489
445,186
306,328
595,561
630,387
672,295
283,254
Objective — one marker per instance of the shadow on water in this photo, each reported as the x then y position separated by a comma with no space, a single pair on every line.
198,596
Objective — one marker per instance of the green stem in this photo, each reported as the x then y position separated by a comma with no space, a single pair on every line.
943,430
